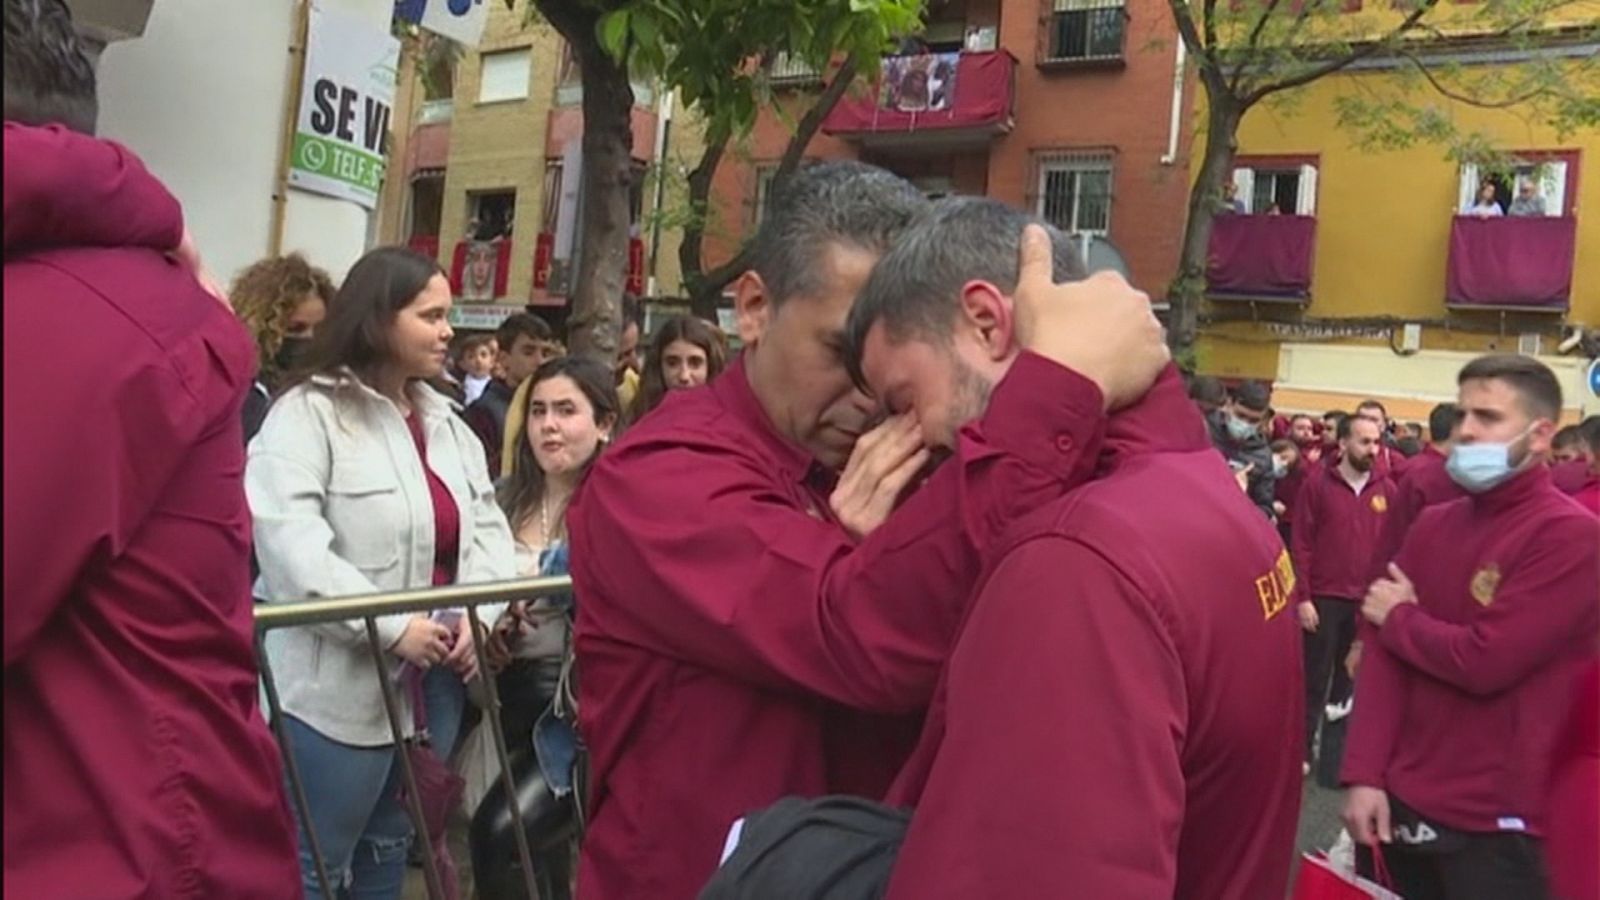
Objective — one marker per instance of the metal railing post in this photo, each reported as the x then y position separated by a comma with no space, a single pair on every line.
391,703
298,788
491,693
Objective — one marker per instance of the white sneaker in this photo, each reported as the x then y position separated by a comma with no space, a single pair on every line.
1337,711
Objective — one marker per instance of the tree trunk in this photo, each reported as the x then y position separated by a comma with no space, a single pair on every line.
1189,288
702,294
596,294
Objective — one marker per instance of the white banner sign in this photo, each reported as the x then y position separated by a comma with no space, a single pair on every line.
461,21
341,139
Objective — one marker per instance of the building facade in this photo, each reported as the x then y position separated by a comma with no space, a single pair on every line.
1359,272
486,169
1076,109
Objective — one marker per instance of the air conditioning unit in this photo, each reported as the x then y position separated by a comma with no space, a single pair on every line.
1530,343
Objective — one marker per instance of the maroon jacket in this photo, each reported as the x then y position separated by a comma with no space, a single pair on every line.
1120,717
1425,483
726,623
1463,693
1336,533
137,763
1571,477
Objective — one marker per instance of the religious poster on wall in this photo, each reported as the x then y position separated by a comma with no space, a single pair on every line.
341,139
478,273
922,83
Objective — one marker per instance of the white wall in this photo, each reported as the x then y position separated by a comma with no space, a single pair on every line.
200,97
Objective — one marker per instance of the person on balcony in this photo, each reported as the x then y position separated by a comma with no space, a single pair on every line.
1528,202
1232,203
1486,207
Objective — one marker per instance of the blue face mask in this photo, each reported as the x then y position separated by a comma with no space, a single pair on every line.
1482,467
1239,429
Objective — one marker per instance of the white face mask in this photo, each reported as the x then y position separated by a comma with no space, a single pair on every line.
1482,466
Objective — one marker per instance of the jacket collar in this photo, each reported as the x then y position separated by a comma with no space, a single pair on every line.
1516,490
429,403
1164,420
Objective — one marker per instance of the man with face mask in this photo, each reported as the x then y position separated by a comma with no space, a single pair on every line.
1338,517
1236,431
1487,614
1123,681
755,624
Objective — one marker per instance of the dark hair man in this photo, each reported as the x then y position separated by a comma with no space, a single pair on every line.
136,760
1338,519
523,343
1589,495
1237,432
1570,457
1208,393
1110,705
1486,616
1388,461
766,622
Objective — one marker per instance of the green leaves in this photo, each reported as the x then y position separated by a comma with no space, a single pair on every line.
613,31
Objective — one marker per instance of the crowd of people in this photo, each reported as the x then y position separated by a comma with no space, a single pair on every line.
947,584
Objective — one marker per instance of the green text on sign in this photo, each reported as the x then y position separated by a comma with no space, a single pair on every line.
319,156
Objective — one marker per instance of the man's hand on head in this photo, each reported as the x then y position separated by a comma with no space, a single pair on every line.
1100,327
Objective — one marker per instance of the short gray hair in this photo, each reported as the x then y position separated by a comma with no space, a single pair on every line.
841,202
914,290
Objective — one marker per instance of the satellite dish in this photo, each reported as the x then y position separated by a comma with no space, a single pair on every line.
1099,253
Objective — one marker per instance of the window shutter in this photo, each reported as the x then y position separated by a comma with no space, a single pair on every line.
1469,187
1305,204
1244,184
1553,187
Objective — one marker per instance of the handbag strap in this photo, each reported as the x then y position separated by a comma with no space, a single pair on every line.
1379,870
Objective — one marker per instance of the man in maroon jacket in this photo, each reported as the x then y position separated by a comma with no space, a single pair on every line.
1118,716
1338,517
137,763
1487,616
751,625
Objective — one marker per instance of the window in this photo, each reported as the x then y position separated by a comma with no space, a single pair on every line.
787,70
552,196
1085,30
764,176
1549,174
438,77
427,204
1074,192
1271,188
490,214
506,75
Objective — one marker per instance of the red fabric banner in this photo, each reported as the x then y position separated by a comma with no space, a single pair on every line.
1261,255
1511,262
981,94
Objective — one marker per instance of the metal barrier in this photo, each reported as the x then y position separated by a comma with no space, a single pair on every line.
316,611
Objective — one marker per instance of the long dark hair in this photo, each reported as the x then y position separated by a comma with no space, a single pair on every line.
355,334
520,492
652,384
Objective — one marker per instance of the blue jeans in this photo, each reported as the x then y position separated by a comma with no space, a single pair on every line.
353,794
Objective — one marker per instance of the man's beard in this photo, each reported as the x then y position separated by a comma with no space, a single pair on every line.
1361,463
969,392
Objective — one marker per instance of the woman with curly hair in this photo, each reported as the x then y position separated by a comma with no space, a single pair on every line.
281,300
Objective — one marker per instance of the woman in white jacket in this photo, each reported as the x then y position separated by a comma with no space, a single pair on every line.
363,479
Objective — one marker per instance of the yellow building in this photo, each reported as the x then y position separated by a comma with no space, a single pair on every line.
479,173
1406,280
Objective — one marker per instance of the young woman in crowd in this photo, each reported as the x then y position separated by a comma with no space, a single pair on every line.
282,300
572,412
363,479
686,352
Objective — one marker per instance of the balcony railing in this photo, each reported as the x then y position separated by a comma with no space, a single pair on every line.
960,95
1511,263
1261,258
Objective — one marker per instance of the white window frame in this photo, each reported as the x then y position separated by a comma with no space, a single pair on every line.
505,76
1076,166
763,191
1244,184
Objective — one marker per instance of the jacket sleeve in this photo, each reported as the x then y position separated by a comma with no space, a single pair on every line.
286,480
693,551
1060,772
1540,604
1303,537
1406,502
61,182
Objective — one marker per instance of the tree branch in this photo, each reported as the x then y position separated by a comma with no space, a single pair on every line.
1255,38
1209,14
689,251
1334,65
1452,94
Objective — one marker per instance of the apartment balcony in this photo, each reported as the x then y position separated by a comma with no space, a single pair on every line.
933,101
1520,264
1261,259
